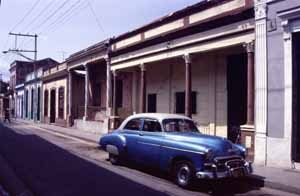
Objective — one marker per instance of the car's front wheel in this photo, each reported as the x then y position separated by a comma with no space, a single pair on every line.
183,173
114,159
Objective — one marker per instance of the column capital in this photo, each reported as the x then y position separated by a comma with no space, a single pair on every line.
143,67
249,46
260,9
107,59
115,72
286,30
187,58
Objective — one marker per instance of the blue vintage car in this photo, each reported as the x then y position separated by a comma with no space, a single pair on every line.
173,144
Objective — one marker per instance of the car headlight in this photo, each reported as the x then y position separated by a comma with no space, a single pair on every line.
209,154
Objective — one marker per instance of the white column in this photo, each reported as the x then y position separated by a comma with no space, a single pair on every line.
108,87
134,92
288,72
86,93
288,92
70,98
260,81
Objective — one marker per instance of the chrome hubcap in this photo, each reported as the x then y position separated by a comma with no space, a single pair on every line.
183,174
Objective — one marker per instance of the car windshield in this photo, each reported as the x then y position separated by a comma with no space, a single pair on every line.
179,125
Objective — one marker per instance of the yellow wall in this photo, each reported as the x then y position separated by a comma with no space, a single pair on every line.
56,85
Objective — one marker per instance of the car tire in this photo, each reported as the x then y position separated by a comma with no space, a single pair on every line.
183,174
114,159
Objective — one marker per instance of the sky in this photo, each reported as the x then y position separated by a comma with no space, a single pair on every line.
67,26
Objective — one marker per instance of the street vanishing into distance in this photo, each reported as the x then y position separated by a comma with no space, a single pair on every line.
54,164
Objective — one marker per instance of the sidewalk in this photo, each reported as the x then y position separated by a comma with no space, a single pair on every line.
284,179
72,132
287,180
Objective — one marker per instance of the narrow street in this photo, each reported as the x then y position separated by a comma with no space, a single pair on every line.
54,164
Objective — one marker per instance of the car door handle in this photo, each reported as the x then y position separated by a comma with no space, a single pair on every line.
141,134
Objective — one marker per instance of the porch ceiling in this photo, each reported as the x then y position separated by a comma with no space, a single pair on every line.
192,49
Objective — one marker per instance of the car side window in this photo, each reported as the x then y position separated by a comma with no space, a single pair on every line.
133,124
151,125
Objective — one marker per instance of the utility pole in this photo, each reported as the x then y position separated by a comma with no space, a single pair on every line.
19,52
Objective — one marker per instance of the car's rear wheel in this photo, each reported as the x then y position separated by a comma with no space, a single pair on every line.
114,159
183,174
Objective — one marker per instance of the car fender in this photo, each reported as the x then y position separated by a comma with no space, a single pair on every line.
113,143
177,152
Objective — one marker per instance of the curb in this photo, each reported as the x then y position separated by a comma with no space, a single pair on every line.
60,132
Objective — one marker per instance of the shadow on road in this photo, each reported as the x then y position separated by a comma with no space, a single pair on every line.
224,187
49,170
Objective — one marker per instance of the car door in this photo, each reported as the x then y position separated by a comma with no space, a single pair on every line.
131,132
149,142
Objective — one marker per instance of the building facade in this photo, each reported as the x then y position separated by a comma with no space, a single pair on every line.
27,88
278,41
4,101
19,101
54,99
32,91
88,88
198,62
18,71
230,65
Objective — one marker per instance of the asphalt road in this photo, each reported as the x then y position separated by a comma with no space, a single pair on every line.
52,165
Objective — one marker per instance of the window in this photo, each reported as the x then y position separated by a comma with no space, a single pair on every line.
151,125
26,104
38,103
32,102
119,93
61,101
151,103
179,125
133,124
46,101
180,102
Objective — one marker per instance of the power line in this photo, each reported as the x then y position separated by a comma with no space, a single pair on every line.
26,15
43,11
69,14
37,26
67,19
51,15
96,17
62,15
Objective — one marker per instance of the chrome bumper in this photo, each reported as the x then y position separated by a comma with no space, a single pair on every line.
245,170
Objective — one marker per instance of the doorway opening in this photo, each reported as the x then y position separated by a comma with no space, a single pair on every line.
52,106
38,104
237,94
32,102
296,96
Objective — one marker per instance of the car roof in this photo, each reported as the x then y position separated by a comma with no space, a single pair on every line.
159,116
